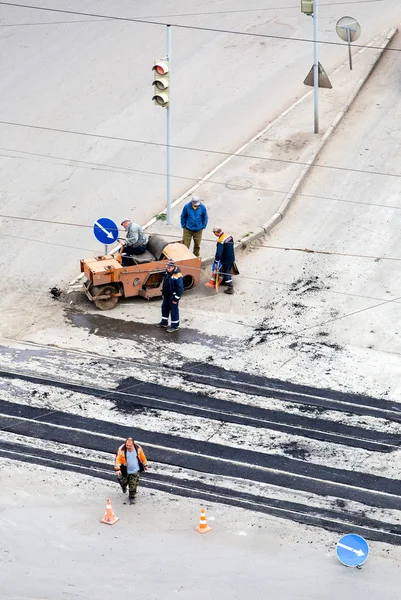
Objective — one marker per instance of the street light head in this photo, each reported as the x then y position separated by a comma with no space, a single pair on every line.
307,7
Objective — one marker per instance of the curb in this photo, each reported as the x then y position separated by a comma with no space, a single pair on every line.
279,215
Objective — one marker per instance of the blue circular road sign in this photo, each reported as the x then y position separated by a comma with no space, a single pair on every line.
105,231
352,550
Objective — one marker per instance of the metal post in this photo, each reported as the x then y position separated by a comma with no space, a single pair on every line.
168,129
349,47
316,66
105,248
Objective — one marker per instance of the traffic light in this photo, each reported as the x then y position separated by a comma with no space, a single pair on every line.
161,83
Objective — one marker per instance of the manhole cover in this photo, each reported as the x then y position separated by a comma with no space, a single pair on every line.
238,184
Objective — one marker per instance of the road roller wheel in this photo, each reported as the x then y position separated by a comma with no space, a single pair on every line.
104,303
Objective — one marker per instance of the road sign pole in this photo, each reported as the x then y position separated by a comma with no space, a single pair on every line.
349,30
316,66
349,47
105,248
168,130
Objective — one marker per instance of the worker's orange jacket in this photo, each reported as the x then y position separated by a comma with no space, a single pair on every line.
121,458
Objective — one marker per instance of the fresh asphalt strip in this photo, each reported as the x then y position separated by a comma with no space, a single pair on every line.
135,391
286,391
332,520
202,456
134,395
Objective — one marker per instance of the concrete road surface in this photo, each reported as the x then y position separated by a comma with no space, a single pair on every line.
334,318
54,547
87,74
331,319
327,319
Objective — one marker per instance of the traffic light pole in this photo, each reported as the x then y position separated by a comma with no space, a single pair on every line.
316,66
168,129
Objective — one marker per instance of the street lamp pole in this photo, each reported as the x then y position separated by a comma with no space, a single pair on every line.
316,65
168,129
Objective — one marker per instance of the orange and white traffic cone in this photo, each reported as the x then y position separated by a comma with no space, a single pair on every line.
203,527
212,281
109,516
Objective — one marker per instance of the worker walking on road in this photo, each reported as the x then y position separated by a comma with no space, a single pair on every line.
194,220
130,461
224,260
135,238
173,287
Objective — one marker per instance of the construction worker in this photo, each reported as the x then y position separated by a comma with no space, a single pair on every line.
224,258
193,221
135,238
173,287
130,461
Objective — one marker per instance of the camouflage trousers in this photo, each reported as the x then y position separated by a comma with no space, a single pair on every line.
132,482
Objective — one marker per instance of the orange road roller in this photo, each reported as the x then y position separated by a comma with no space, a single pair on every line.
109,278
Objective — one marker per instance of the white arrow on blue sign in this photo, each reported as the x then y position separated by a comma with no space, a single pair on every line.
105,231
352,550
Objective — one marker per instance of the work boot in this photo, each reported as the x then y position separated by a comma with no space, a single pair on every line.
171,329
229,290
161,325
131,501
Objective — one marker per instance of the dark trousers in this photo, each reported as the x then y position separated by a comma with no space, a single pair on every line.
132,482
227,277
134,250
169,308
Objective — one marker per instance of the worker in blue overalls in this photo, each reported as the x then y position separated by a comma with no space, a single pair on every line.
173,287
224,258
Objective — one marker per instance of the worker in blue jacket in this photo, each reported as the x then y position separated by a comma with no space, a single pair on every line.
193,221
173,287
224,258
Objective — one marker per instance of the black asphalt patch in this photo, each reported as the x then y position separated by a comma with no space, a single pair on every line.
206,457
334,520
133,396
291,392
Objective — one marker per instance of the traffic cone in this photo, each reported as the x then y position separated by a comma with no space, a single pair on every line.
203,527
212,282
109,516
